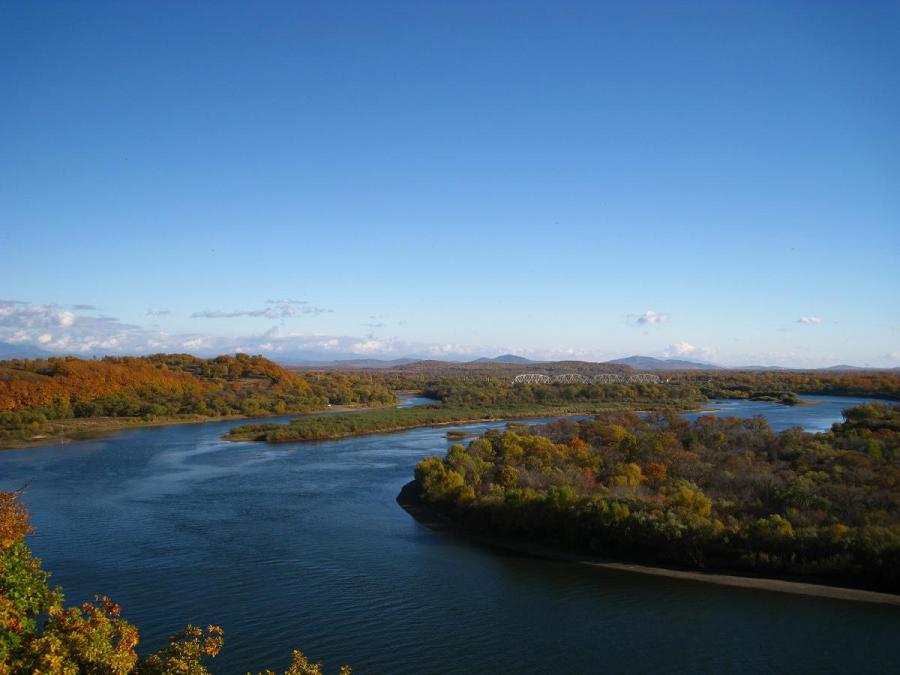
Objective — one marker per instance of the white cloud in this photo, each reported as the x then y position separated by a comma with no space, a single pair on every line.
649,318
371,347
810,320
685,349
196,343
277,309
57,330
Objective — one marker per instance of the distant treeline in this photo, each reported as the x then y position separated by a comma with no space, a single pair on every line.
745,384
491,392
33,392
470,386
722,494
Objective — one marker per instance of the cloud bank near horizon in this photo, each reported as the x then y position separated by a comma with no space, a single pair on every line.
81,330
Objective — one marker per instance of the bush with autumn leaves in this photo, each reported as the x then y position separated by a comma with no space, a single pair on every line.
39,634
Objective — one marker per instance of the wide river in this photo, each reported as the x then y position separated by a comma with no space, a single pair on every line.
303,546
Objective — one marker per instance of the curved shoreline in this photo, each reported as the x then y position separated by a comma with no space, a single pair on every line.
73,430
410,500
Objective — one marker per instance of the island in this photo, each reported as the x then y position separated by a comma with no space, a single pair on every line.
722,495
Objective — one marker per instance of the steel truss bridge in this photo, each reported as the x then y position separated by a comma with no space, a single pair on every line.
577,378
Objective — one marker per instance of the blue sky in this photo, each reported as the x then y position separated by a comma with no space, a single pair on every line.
717,181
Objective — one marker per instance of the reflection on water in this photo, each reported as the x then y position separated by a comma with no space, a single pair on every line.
302,545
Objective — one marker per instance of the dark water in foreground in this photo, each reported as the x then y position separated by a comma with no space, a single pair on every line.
818,413
303,545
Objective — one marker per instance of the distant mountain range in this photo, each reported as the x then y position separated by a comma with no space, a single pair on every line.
651,363
12,351
505,358
352,361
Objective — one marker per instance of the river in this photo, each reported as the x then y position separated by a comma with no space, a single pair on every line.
303,546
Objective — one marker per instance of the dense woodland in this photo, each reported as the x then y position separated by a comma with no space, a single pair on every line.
35,392
39,634
717,494
713,383
757,384
675,386
492,392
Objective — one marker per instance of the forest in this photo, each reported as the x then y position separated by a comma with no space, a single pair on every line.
35,392
490,392
713,383
718,494
767,383
685,387
39,634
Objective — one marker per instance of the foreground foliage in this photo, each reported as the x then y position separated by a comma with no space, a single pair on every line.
33,393
721,493
93,638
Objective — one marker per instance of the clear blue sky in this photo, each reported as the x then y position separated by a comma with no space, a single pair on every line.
716,180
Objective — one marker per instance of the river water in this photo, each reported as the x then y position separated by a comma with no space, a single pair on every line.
303,546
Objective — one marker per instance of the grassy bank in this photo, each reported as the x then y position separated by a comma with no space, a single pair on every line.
325,427
58,432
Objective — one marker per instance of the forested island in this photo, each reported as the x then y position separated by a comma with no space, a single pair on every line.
55,398
719,494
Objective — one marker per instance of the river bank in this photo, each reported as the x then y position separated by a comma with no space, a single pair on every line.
60,432
409,499
339,568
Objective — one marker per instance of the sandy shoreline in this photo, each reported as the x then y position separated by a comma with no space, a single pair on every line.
412,504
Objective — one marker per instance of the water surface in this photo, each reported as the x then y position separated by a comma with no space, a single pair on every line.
815,414
302,545
410,400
